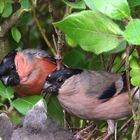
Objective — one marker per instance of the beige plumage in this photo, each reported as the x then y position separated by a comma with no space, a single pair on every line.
92,95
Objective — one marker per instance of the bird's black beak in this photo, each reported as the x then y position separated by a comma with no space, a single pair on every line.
4,79
49,88
47,85
2,70
11,80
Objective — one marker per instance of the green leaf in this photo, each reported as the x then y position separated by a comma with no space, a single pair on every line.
24,4
121,47
77,5
1,6
90,4
92,31
7,10
116,9
134,3
24,104
117,63
132,32
134,62
6,92
135,72
70,41
16,34
75,58
135,81
55,110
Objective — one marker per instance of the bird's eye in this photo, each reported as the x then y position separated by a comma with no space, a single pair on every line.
49,75
12,67
60,80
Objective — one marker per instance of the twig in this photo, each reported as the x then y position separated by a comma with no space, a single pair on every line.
136,129
123,61
40,29
50,9
60,39
58,56
110,65
116,125
60,46
103,61
129,94
128,80
125,124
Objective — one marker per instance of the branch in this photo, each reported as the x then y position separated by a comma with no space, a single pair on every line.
136,126
7,24
40,29
128,80
59,49
60,40
123,61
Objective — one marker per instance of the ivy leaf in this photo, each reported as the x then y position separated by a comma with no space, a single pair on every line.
132,32
116,9
16,34
92,30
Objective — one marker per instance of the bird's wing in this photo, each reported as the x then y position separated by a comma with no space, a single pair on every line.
38,53
103,85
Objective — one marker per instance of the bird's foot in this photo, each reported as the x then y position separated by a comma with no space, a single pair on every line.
110,131
106,136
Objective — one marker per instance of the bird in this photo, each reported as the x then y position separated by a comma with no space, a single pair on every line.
6,127
92,95
37,125
26,70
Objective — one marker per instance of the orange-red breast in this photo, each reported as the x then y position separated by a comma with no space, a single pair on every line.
26,70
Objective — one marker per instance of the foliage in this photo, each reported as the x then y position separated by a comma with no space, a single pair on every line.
97,33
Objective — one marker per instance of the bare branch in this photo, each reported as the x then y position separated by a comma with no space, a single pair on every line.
60,40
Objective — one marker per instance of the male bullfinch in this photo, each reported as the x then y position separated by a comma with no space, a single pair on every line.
92,95
26,70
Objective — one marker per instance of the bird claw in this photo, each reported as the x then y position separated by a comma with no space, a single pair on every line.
110,131
105,136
